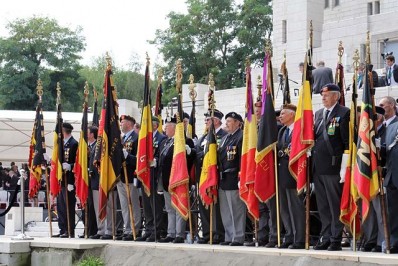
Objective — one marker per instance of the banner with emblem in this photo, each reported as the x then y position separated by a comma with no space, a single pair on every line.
109,149
208,184
365,171
37,151
303,133
248,162
349,214
267,138
145,138
179,177
58,155
81,165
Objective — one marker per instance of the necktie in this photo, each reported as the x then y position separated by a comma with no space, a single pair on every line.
124,139
325,118
389,73
287,132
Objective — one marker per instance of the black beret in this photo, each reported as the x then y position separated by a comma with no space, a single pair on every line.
380,110
277,112
155,119
330,87
67,126
171,120
186,115
218,114
234,116
127,117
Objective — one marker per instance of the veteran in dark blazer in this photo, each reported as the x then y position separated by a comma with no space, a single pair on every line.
130,144
291,205
155,200
391,183
233,209
329,151
218,228
175,222
70,150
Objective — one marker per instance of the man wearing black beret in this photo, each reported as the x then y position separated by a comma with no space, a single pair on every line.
233,209
329,160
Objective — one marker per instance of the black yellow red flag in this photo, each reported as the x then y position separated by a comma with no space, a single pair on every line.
58,154
109,149
37,151
145,139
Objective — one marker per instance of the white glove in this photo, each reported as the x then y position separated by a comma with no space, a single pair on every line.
70,187
308,153
188,149
378,143
66,166
46,157
239,184
135,182
125,153
153,163
343,167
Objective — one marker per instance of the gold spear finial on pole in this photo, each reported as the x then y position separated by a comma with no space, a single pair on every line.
311,34
355,59
160,77
259,87
210,97
58,93
95,93
247,62
86,91
39,89
179,76
108,59
340,51
268,47
192,91
148,59
367,48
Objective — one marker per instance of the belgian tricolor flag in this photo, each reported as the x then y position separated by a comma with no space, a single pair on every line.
208,184
81,165
267,138
37,151
179,177
145,139
303,133
109,152
248,163
57,156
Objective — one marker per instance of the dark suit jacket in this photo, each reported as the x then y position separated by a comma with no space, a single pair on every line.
323,162
131,145
394,74
94,175
321,77
391,179
229,154
165,159
70,150
158,140
200,152
285,180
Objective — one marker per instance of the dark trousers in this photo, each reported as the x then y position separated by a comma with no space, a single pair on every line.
273,229
92,219
149,205
263,223
328,190
62,211
218,228
392,206
293,215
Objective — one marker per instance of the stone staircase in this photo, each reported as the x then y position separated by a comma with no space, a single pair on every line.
42,229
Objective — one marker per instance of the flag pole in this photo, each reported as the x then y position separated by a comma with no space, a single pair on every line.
307,207
129,200
278,227
86,205
113,215
379,170
212,106
354,99
39,93
63,171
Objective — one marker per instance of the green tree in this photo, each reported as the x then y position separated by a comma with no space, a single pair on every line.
39,47
215,36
